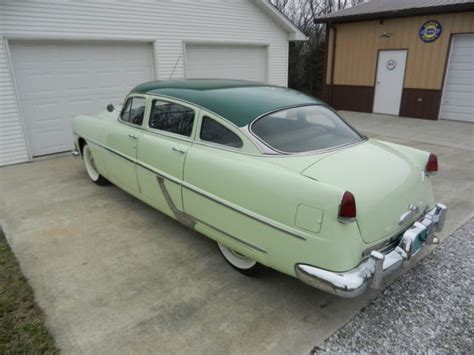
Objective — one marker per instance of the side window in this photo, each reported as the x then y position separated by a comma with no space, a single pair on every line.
138,110
134,110
125,115
214,132
171,117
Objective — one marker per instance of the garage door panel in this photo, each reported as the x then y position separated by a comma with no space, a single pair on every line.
467,117
220,61
458,109
460,76
458,94
464,42
460,53
458,88
458,99
59,80
460,65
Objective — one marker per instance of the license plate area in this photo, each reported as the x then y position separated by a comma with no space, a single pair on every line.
419,241
415,238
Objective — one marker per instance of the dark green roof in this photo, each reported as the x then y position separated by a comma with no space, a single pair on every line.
236,100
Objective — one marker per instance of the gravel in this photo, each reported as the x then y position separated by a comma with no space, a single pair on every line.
429,309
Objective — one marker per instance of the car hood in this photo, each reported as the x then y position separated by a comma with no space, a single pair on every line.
384,182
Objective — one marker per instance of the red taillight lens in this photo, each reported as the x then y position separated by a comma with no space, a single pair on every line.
347,208
432,164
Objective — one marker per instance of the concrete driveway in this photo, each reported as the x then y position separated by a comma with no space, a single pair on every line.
114,276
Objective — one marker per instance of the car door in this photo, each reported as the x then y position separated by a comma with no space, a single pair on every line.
122,140
162,149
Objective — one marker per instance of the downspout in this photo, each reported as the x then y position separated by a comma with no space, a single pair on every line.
333,61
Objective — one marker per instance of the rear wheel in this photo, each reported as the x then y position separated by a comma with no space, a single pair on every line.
91,168
239,262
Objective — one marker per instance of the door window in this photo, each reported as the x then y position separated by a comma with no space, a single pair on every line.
134,110
214,132
171,117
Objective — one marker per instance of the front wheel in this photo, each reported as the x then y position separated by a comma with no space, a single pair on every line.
91,168
239,262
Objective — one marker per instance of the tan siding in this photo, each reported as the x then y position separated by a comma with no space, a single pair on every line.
357,46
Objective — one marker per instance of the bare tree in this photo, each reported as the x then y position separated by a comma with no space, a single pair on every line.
306,59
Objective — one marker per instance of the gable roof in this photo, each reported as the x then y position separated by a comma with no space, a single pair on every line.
238,101
295,34
380,9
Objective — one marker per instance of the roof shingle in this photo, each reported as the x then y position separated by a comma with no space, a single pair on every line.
395,8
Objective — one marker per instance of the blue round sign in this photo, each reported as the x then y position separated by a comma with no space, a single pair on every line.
430,31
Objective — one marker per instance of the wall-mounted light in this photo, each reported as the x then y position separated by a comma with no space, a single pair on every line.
385,35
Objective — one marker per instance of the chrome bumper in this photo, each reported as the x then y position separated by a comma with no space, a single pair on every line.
371,272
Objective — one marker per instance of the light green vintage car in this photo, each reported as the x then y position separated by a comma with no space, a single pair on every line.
275,177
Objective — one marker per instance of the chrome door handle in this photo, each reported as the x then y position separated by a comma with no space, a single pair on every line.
133,136
179,150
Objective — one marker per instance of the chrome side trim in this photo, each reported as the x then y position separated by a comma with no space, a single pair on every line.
190,221
182,217
231,236
110,150
269,222
249,214
372,272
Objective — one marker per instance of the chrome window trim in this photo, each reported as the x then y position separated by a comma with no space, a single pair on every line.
169,134
309,152
219,146
255,216
147,127
196,106
264,149
191,104
131,96
130,124
198,139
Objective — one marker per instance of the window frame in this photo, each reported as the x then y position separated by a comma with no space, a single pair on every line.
224,123
147,127
362,137
218,121
145,112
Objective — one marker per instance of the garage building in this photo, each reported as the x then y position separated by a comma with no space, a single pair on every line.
412,58
60,59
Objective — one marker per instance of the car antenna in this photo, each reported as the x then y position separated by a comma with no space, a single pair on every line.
175,64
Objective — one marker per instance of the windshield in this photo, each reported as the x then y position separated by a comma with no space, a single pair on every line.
304,129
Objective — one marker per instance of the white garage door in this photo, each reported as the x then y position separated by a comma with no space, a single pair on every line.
458,96
226,62
58,80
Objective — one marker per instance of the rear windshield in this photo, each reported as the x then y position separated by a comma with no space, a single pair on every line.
304,129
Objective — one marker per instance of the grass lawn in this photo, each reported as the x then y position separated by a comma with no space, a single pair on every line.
22,328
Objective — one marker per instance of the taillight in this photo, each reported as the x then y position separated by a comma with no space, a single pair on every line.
431,165
347,208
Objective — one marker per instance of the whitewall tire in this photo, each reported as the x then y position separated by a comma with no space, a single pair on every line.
91,168
238,261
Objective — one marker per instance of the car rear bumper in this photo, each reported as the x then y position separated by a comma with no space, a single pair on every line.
372,271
